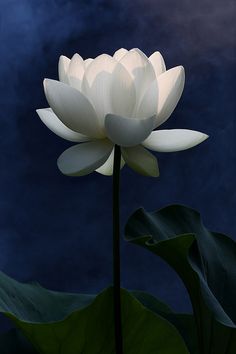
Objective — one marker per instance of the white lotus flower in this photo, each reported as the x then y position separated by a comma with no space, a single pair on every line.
115,100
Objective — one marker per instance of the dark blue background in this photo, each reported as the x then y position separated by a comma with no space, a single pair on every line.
57,229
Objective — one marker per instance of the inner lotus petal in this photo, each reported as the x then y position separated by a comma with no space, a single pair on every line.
148,104
97,84
75,71
120,53
63,65
140,69
123,95
158,63
87,62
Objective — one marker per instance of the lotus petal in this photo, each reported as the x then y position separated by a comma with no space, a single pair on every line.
87,62
82,159
148,104
170,88
141,160
97,84
75,71
123,96
158,63
140,69
128,131
173,140
120,53
63,66
107,168
49,118
72,108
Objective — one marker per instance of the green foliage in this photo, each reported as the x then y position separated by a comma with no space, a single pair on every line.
57,322
185,323
74,324
205,261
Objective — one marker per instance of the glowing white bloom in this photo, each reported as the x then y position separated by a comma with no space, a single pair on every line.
115,100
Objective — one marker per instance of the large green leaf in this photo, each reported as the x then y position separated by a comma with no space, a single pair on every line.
185,323
81,324
205,261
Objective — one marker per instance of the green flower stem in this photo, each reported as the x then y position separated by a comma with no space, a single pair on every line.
116,251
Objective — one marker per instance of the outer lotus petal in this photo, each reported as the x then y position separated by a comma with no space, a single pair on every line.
82,159
140,69
107,168
148,104
120,53
49,118
75,71
123,96
170,88
97,84
87,62
141,161
158,63
72,108
128,131
63,66
173,140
